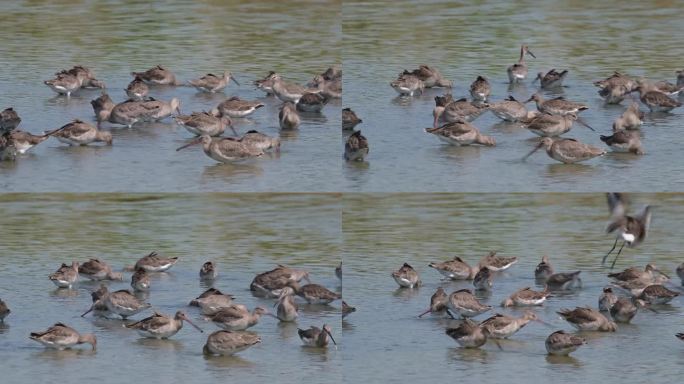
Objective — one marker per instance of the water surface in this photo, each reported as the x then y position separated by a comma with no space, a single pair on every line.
243,234
383,231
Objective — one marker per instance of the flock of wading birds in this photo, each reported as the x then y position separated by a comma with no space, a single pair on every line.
553,117
297,102
643,289
451,123
281,283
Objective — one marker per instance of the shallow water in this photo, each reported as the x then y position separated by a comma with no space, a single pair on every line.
590,39
296,39
243,234
383,231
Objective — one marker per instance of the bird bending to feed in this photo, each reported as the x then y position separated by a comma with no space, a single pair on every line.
408,85
79,132
587,319
437,303
632,230
635,286
137,89
617,79
526,297
624,309
511,110
85,76
66,276
624,141
229,342
564,281
237,317
650,273
23,141
316,337
64,84
329,88
469,334
286,91
607,299
547,125
140,280
483,279
131,112
288,116
562,344
543,269
356,147
9,120
204,123
235,107
430,76
349,119
654,99
461,133
447,110
406,277
122,303
99,307
269,284
312,102
260,141
657,294
497,263
266,84
286,308
213,83
314,293
566,151
225,150
160,326
212,300
96,269
157,76
154,262
680,272
480,89
463,303
557,106
503,326
552,79
61,336
102,107
455,269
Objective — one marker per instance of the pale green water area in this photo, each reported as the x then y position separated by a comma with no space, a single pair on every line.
381,232
243,234
591,39
297,39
